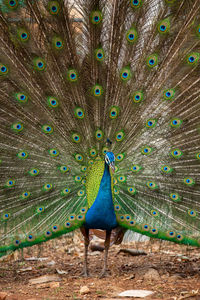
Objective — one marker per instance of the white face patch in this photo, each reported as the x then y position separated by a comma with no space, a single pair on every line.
107,160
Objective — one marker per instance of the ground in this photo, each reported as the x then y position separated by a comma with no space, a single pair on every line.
170,271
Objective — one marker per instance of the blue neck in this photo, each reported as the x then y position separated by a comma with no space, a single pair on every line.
101,214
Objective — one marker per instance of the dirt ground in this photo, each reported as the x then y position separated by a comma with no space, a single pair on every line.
170,271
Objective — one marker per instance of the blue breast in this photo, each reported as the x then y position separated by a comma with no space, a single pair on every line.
101,214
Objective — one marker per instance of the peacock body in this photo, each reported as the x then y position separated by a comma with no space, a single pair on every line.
86,84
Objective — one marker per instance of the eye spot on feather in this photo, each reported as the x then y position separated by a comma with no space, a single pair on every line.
79,113
136,168
17,127
6,216
97,90
152,61
40,209
53,7
77,178
47,129
189,181
105,150
55,228
176,153
114,112
12,4
132,223
72,217
193,58
132,35
57,43
3,69
48,233
125,74
171,234
117,207
96,17
99,134
169,94
83,210
34,172
65,191
20,97
92,152
198,156
52,102
76,138
155,213
127,217
116,191
145,227
99,54
175,123
63,169
138,96
47,187
154,230
175,197
152,185
17,242
53,152
120,157
192,213
22,154
146,150
198,30
166,169
136,3
67,224
120,135
164,26
121,178
23,34
25,195
151,123
39,64
132,190
179,237
72,75
30,238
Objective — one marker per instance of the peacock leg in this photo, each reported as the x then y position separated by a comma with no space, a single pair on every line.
85,232
107,245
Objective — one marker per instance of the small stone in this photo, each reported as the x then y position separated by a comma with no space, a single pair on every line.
84,290
135,293
152,274
61,272
54,285
44,279
25,269
3,295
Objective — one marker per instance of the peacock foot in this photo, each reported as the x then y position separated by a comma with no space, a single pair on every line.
103,274
85,273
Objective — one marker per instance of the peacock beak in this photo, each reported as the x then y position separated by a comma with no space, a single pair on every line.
112,166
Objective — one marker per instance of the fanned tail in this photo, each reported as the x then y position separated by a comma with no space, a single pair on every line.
79,78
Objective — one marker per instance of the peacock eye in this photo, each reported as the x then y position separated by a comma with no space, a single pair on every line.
152,61
72,75
96,17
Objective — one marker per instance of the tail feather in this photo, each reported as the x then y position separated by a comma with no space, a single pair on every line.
123,76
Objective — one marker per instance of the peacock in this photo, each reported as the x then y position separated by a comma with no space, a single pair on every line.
99,120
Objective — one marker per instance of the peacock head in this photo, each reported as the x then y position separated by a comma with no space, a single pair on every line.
110,160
